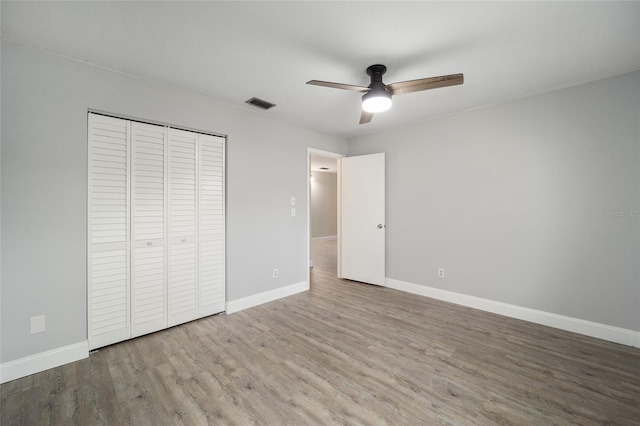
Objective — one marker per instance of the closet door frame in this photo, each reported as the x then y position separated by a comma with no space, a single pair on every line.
126,249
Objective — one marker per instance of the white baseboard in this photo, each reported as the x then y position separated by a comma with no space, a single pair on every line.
43,361
32,364
328,237
267,296
575,325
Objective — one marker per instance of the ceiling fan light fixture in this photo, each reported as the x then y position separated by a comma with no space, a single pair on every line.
376,101
378,95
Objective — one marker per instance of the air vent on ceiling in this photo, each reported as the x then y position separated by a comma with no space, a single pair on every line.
260,103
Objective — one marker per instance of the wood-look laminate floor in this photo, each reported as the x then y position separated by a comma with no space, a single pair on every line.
342,353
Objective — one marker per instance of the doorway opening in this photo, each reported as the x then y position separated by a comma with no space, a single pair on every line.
323,219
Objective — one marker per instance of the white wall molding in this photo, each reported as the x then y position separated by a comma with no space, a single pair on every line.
32,364
267,296
328,237
575,325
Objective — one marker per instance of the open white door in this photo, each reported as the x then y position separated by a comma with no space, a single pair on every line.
362,237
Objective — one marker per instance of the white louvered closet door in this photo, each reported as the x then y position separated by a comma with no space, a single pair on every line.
156,228
148,284
108,231
182,285
211,216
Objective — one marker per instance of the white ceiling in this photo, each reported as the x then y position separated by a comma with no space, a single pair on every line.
235,50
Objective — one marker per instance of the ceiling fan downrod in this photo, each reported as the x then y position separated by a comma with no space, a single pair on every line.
376,72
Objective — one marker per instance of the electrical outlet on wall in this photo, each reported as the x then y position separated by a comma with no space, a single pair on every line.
441,272
275,272
36,324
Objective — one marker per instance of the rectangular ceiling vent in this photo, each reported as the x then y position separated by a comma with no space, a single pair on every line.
260,103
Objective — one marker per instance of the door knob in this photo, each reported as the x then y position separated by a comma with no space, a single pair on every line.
380,226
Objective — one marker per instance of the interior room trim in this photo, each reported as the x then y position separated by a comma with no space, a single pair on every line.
43,361
575,325
266,296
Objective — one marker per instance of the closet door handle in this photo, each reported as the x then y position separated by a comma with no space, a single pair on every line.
149,243
184,240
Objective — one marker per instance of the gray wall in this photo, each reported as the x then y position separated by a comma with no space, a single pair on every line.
324,205
519,202
44,185
0,195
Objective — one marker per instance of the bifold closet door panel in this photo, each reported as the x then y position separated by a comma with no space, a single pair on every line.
156,228
211,213
148,283
182,284
108,284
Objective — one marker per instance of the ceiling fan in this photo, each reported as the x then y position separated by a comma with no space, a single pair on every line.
377,97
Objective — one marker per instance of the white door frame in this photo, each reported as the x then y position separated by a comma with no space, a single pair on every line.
321,153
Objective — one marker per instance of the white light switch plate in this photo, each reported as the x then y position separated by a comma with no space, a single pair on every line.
293,201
